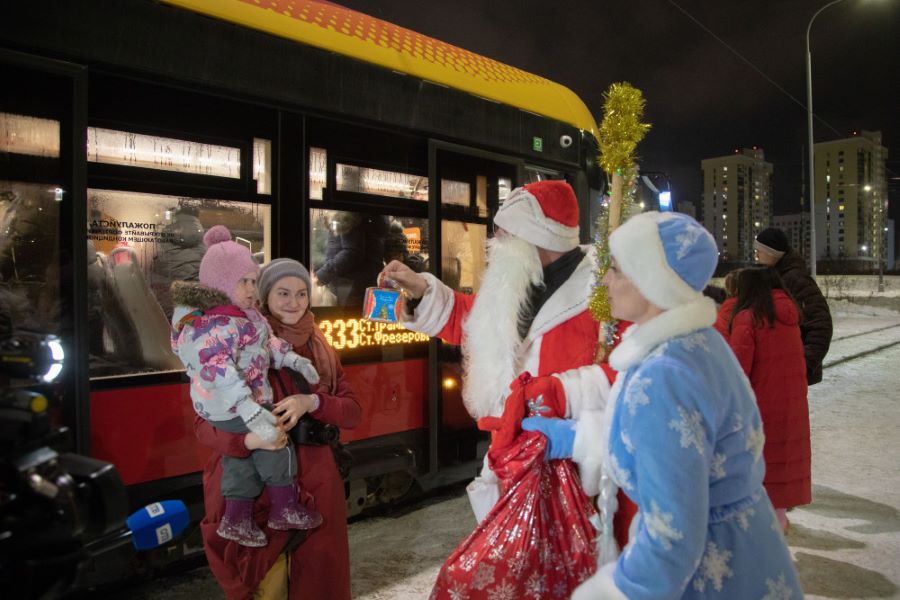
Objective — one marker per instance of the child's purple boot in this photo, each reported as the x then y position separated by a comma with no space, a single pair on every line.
286,513
237,524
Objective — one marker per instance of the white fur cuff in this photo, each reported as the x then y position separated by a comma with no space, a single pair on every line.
600,587
434,309
586,388
588,450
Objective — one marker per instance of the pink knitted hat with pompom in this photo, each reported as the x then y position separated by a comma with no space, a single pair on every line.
225,262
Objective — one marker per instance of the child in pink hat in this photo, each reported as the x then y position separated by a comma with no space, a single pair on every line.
227,348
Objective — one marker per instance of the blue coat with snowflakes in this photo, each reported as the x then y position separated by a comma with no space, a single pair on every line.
684,441
227,357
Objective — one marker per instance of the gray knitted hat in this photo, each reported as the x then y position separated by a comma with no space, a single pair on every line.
277,269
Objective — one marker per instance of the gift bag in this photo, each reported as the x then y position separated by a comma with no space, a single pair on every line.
537,540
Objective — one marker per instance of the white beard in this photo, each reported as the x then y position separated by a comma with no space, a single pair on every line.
491,343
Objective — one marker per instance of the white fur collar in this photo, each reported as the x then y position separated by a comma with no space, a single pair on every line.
640,340
570,299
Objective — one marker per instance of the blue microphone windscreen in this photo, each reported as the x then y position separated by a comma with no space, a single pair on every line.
157,523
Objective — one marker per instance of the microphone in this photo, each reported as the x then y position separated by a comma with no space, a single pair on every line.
157,524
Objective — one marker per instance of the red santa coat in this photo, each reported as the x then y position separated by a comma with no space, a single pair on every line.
320,566
773,359
561,342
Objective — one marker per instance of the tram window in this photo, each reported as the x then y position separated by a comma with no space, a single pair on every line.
504,187
348,250
20,134
138,245
462,255
318,172
458,193
130,149
262,165
393,184
534,174
29,255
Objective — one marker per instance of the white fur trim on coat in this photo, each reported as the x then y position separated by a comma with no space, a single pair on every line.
588,449
587,388
433,311
600,587
639,253
521,215
639,340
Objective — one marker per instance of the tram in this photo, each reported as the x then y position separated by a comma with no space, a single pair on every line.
127,129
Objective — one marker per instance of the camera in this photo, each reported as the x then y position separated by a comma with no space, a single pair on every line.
52,502
565,141
312,432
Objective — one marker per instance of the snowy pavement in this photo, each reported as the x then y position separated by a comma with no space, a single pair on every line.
846,543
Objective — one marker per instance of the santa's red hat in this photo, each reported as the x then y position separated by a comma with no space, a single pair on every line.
543,213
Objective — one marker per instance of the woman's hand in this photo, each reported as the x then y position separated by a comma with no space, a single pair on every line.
290,409
254,442
405,278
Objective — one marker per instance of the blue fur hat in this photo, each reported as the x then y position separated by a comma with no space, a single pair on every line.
668,256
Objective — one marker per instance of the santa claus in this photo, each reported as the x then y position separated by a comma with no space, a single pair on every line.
529,315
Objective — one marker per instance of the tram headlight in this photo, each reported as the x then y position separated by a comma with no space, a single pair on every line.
565,141
31,356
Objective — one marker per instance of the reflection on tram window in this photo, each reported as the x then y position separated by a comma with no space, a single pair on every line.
167,154
348,250
29,257
262,165
138,245
534,174
21,134
351,178
463,255
318,172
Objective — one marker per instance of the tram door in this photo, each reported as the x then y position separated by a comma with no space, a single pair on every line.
470,185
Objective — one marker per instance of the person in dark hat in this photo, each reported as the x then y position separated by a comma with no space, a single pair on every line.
774,250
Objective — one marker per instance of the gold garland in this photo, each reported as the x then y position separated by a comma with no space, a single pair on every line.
620,132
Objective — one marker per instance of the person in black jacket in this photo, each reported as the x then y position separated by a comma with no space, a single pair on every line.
773,249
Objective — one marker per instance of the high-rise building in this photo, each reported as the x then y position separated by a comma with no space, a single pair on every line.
737,201
796,226
851,201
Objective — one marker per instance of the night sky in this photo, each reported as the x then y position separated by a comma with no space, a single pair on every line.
702,100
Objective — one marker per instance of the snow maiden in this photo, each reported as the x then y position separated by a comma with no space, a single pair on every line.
682,434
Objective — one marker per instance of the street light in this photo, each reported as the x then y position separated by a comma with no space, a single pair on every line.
812,164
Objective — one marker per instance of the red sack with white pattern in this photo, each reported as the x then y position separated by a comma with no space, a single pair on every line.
537,542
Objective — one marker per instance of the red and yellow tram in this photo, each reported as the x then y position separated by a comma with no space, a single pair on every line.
128,128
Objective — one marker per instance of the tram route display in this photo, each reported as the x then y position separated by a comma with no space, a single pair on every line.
351,334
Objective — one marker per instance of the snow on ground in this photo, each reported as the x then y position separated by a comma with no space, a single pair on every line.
846,543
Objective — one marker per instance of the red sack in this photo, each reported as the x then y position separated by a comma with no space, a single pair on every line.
537,541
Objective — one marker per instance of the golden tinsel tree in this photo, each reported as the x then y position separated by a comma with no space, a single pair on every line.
620,132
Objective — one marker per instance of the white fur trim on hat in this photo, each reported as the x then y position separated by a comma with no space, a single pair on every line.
522,216
638,250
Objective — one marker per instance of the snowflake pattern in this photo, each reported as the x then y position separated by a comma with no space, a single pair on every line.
484,576
687,239
714,568
738,423
659,526
717,466
778,590
690,426
535,586
619,474
457,591
756,439
626,441
504,591
743,517
636,394
695,340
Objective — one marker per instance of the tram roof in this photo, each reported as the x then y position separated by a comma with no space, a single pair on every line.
335,28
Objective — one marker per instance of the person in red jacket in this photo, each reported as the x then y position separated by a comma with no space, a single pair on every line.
762,326
289,566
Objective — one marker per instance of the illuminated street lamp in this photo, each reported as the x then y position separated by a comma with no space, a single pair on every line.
812,163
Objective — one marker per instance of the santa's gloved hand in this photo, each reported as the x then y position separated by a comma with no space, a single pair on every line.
560,434
305,367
